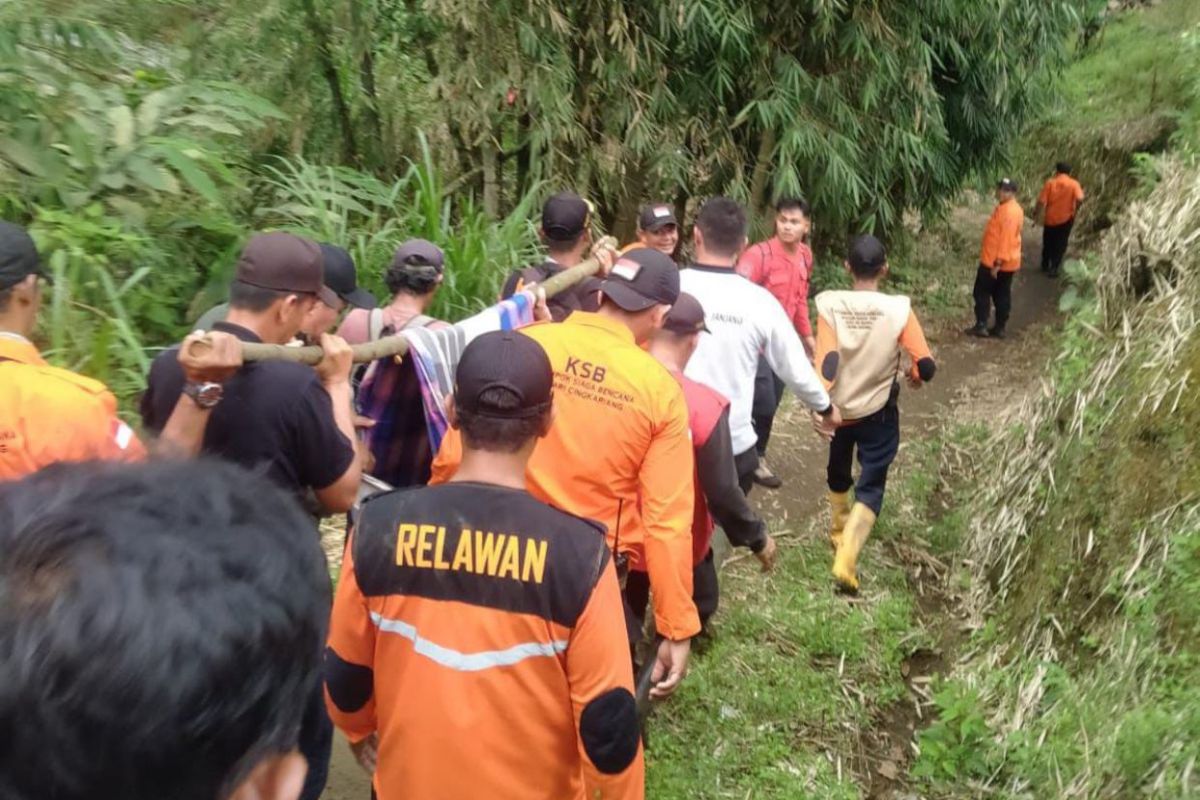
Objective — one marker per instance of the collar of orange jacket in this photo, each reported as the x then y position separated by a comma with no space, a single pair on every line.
593,320
20,350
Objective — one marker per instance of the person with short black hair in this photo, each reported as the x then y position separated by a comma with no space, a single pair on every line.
1056,208
461,602
566,232
157,623
747,323
783,266
292,422
861,336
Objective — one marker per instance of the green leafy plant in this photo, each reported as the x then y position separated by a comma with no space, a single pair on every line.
371,218
1081,286
957,745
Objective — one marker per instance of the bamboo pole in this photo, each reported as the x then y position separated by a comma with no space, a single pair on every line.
398,345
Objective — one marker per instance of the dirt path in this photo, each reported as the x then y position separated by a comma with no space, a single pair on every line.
975,377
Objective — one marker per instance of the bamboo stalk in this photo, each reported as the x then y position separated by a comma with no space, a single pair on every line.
398,345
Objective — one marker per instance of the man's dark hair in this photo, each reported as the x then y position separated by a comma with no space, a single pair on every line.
562,246
1063,167
793,204
723,223
247,297
496,434
414,277
160,629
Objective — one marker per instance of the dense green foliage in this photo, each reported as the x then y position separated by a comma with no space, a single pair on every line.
143,140
867,107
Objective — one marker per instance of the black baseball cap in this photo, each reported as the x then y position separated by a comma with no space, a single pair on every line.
509,361
642,278
686,316
18,256
657,216
284,262
866,253
342,277
564,216
1007,184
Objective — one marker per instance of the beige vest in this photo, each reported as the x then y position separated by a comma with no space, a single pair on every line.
868,327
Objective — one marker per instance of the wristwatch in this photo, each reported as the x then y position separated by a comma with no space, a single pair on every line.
205,395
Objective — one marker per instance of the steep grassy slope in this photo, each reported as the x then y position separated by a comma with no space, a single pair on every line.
1083,536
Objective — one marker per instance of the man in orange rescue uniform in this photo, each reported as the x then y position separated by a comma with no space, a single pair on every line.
999,260
1056,206
861,335
477,647
47,414
619,451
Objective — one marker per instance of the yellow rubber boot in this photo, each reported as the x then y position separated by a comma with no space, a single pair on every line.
839,511
854,536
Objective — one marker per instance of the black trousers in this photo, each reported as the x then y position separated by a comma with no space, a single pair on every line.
705,591
991,291
316,744
746,463
768,393
1054,246
876,439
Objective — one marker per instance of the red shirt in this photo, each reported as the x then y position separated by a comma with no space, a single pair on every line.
783,275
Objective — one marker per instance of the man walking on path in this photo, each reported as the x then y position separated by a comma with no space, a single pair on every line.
1056,208
290,421
619,450
861,336
47,414
657,229
746,322
783,266
999,261
478,647
718,496
399,440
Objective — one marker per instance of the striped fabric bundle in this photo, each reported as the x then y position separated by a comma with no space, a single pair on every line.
435,353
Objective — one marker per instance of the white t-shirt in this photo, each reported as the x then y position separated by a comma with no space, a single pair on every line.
746,320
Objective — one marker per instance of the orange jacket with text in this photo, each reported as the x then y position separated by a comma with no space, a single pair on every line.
1002,237
49,415
618,452
480,634
1061,196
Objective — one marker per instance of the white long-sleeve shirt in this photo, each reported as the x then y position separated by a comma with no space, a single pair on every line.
746,320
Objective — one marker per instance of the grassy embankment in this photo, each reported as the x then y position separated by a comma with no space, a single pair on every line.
1078,566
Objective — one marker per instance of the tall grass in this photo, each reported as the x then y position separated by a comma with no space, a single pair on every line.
371,218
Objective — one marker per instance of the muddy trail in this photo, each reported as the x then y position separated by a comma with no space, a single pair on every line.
976,378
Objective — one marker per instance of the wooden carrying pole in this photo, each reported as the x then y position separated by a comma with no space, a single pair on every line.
398,345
